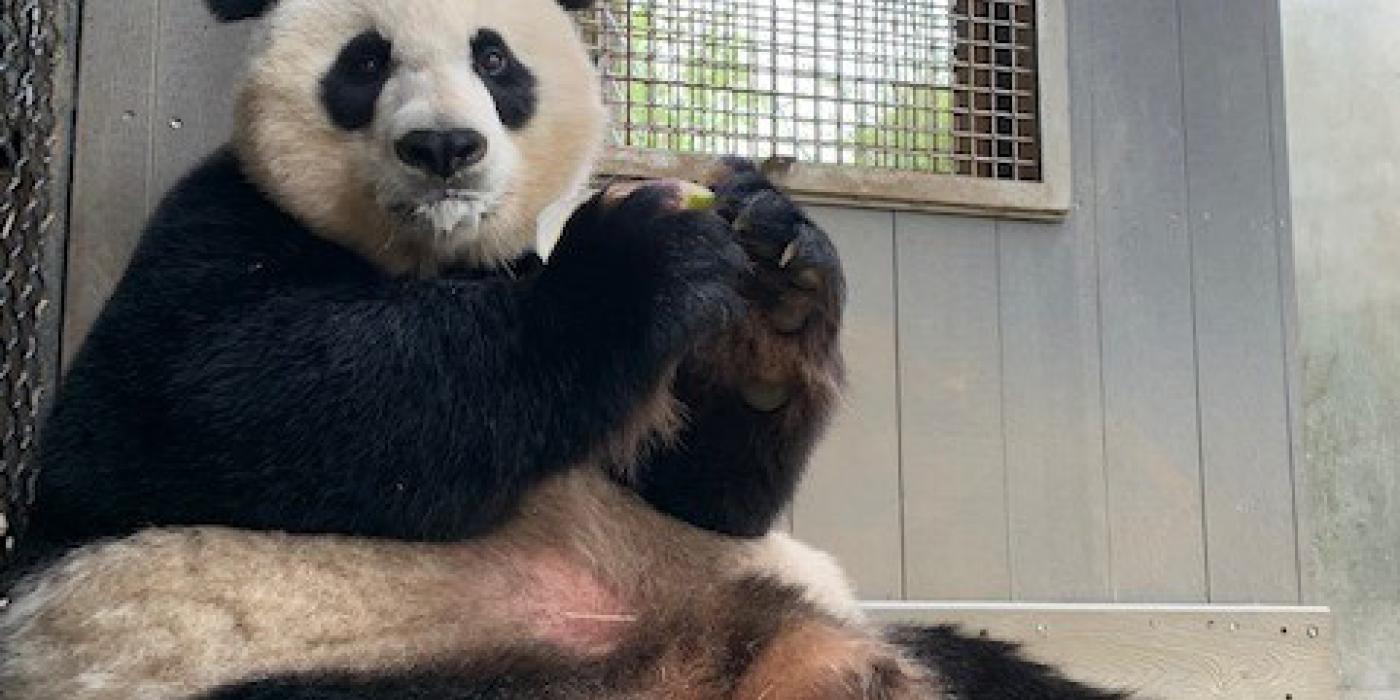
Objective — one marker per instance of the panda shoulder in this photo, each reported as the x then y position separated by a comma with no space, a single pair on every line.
219,221
216,192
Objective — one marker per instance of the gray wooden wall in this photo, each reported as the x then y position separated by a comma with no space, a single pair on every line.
1093,410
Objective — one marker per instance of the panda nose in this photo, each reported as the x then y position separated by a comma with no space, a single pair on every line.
442,153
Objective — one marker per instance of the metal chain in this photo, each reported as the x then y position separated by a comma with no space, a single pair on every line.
29,41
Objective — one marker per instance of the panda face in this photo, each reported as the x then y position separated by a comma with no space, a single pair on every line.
422,132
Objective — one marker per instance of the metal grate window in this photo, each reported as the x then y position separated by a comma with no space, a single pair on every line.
939,87
28,68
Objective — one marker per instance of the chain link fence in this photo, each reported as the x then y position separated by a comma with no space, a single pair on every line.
29,213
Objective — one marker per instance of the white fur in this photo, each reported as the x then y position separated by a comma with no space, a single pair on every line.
823,582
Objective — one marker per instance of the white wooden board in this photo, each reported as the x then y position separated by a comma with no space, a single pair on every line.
1162,652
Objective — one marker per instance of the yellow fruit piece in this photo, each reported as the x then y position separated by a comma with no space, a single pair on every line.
695,197
688,196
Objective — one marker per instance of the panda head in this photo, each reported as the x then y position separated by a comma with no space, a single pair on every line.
421,133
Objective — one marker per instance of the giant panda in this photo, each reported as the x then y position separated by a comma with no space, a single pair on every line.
342,433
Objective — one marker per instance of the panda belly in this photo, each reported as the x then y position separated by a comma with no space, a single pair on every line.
567,607
174,613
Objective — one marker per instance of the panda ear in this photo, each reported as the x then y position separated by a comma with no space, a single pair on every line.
234,10
577,4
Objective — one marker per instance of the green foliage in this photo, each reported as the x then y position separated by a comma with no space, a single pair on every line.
693,87
912,130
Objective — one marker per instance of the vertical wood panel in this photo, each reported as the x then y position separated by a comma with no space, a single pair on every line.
112,155
849,502
1051,378
1239,336
1283,220
1152,444
54,245
146,66
200,63
950,416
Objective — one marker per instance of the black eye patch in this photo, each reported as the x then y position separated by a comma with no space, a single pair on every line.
511,84
351,88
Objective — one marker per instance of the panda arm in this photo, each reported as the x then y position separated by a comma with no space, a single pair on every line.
734,469
759,395
416,410
420,411
263,378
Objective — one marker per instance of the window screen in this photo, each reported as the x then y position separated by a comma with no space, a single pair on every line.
944,87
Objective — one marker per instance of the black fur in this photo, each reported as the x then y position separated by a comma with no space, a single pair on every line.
248,373
350,89
730,472
234,10
419,685
528,677
968,668
577,4
513,87
978,668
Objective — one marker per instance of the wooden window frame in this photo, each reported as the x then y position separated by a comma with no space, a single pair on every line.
856,186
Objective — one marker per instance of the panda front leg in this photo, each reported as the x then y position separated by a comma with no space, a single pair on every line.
758,395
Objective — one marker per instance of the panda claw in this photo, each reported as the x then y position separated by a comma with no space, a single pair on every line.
742,225
789,315
765,397
809,279
789,253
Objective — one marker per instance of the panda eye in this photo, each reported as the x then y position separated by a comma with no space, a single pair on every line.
369,66
493,60
366,59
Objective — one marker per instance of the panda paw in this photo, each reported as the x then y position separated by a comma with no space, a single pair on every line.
794,289
661,265
796,274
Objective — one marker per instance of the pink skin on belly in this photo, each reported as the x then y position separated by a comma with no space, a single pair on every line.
566,605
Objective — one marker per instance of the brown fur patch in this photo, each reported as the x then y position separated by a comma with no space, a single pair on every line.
818,660
655,422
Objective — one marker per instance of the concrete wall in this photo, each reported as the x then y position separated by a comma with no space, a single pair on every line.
1343,88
